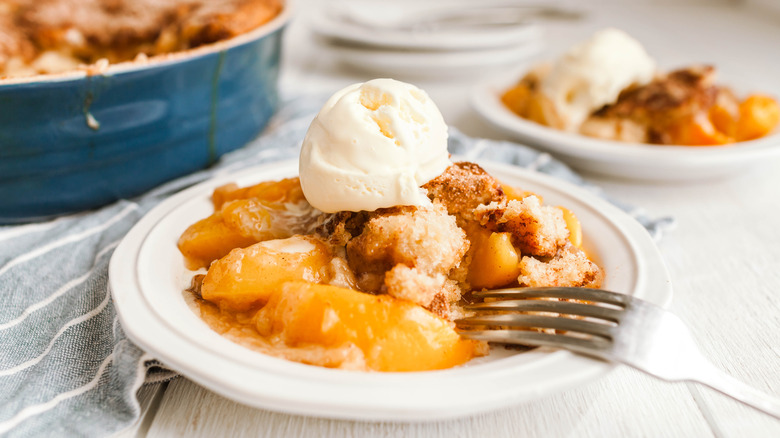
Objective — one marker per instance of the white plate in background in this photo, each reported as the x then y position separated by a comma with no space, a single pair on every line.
147,278
389,25
624,160
406,63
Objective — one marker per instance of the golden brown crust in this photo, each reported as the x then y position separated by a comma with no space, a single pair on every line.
408,252
340,227
13,41
435,292
119,30
215,21
680,90
679,95
413,285
445,302
569,268
536,230
424,238
462,188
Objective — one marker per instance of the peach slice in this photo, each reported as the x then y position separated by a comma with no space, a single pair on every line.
393,334
494,263
209,239
574,226
283,191
758,116
247,277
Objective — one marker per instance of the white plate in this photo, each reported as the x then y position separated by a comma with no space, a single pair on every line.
147,277
626,160
402,63
374,24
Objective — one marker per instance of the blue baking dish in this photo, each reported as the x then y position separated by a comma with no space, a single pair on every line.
76,141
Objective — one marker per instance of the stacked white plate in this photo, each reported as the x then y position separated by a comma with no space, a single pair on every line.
444,38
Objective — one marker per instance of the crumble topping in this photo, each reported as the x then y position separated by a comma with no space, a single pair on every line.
648,112
568,268
408,252
462,188
537,230
47,36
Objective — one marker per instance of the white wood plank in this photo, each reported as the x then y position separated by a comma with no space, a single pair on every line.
625,403
724,259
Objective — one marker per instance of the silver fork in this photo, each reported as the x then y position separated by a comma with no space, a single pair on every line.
605,325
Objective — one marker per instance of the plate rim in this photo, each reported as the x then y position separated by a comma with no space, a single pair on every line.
442,63
328,26
124,286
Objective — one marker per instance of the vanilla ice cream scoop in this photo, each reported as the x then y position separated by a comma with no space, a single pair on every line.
593,73
373,145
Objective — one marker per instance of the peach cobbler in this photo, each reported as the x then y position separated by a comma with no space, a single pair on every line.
50,36
608,88
323,282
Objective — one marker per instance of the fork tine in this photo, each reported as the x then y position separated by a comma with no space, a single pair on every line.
538,321
594,346
577,293
564,307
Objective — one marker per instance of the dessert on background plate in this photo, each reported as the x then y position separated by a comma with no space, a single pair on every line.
608,87
363,261
51,36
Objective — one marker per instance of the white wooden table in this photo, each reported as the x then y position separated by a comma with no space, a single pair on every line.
724,259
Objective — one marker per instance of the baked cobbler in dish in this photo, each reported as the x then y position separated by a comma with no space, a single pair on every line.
374,289
50,36
608,88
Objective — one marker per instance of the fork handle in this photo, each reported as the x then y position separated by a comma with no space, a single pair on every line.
740,391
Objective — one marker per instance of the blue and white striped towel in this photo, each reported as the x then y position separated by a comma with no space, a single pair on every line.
67,368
